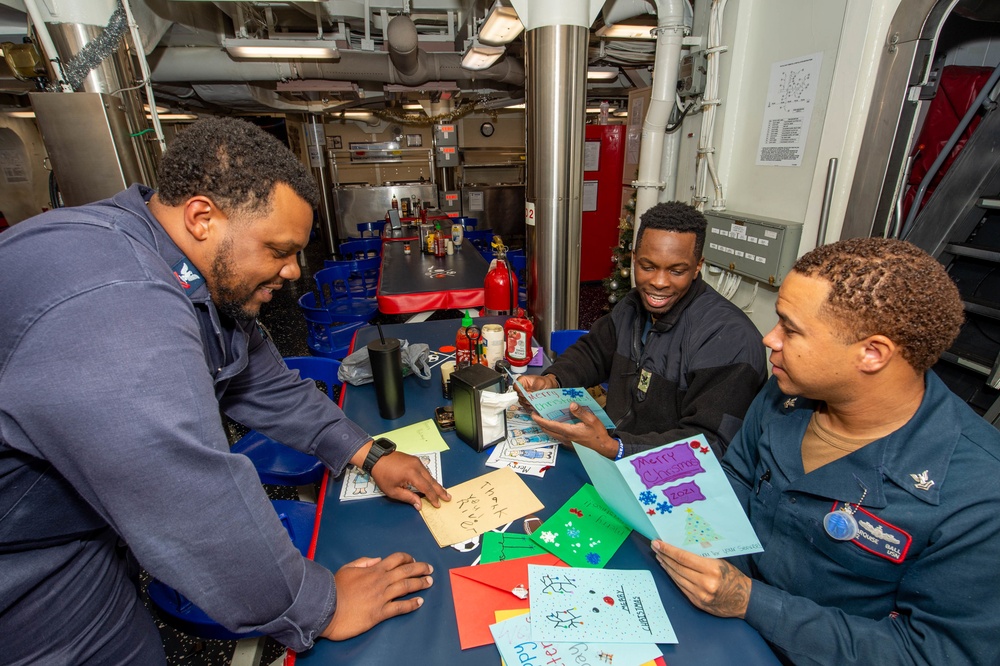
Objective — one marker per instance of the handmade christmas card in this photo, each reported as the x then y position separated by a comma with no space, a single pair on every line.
500,546
596,605
553,404
677,493
583,532
513,639
359,485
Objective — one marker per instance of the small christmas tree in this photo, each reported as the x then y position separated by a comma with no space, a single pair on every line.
697,530
618,283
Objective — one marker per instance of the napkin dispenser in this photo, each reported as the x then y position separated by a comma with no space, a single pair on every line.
477,427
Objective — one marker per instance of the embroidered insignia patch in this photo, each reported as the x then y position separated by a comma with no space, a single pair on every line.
644,378
879,537
790,403
187,275
921,481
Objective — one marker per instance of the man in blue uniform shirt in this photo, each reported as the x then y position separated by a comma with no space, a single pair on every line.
872,487
128,325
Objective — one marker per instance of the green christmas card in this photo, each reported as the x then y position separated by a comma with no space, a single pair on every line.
583,532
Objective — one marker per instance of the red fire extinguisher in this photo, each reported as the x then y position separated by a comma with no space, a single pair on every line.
500,286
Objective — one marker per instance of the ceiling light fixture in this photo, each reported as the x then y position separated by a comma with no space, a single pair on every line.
597,109
413,107
627,31
314,49
602,73
502,26
480,56
21,114
173,116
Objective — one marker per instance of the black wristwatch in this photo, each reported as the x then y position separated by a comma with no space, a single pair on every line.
380,447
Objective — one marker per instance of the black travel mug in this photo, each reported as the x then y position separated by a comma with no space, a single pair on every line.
387,373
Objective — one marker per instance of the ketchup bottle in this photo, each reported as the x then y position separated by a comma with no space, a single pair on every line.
517,348
463,356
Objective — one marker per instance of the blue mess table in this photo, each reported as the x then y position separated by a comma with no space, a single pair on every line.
378,527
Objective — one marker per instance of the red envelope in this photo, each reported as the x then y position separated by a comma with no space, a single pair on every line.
480,590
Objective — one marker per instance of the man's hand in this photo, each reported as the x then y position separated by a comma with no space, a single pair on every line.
589,432
714,586
369,591
396,472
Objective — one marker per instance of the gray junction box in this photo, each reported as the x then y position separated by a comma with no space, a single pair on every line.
761,248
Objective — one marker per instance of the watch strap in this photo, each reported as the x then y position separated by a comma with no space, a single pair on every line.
380,447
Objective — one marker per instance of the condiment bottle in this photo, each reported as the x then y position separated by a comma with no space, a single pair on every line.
517,351
475,344
440,245
462,352
394,203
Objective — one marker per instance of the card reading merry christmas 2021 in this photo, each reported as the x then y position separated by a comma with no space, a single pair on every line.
677,493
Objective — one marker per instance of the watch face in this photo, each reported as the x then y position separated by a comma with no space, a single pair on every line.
486,129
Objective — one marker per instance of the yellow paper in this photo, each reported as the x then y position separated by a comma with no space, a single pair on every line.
502,615
479,505
420,437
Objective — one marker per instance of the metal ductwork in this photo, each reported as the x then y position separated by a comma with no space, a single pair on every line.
205,64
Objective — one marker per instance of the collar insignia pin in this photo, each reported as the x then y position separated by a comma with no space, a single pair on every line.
921,481
790,403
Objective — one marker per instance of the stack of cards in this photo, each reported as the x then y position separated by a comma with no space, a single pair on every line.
527,450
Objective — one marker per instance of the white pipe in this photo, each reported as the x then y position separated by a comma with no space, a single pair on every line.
140,54
669,40
48,46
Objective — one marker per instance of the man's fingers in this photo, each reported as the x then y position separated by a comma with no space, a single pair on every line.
364,562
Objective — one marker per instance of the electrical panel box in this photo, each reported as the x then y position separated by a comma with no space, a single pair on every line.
446,134
691,76
761,248
446,156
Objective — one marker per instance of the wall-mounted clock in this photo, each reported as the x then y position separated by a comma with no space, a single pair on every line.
487,129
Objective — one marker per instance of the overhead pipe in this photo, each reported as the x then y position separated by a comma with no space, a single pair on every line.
210,64
655,174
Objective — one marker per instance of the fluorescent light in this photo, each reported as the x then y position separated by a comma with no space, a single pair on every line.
627,31
159,109
597,109
515,106
413,107
21,114
621,113
502,26
479,56
281,48
602,73
174,116
352,115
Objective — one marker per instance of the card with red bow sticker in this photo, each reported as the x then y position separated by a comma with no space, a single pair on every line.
583,532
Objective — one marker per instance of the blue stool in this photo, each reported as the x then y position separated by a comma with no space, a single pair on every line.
560,340
371,228
298,518
281,465
327,335
361,248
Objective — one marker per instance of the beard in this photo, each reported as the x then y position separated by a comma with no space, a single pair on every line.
231,296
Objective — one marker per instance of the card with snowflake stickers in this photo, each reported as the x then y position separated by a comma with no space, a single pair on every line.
677,493
583,532
553,404
607,606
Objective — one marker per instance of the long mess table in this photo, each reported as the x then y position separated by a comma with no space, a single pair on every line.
418,282
378,527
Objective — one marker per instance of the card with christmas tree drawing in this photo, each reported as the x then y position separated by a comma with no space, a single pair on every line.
583,532
596,606
678,493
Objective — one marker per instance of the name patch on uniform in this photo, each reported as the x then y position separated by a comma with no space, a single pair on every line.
879,537
187,275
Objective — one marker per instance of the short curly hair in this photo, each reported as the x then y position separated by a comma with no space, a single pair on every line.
889,287
674,216
234,163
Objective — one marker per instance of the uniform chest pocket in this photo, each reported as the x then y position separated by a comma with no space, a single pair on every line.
880,551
